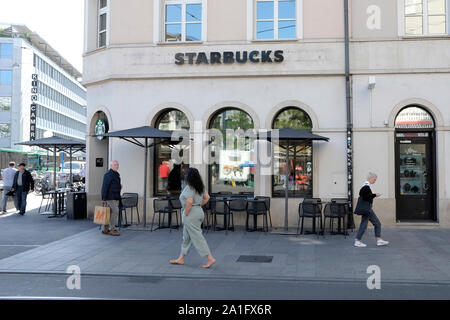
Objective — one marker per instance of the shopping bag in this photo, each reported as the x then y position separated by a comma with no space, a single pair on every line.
102,215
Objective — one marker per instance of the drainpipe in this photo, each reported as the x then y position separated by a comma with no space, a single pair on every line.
348,81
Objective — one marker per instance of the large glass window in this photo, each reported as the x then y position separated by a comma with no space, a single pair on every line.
425,17
276,19
5,77
232,165
103,22
169,173
5,103
6,50
299,169
183,20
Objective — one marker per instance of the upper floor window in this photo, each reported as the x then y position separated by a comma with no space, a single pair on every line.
425,17
6,50
103,22
5,103
5,77
183,20
276,19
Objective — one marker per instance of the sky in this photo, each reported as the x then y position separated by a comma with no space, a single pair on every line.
59,22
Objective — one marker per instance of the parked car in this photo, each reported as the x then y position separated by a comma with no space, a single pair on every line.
76,170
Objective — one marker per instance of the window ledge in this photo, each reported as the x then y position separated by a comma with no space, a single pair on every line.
179,43
421,37
276,40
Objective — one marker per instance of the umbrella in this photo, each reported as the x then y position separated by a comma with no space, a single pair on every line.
145,132
289,135
247,164
57,144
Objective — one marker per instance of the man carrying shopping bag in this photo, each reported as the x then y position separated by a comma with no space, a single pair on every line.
111,197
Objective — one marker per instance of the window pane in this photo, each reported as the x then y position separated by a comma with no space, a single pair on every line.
5,77
193,32
436,25
173,13
264,30
413,117
102,39
173,32
413,25
299,172
413,6
436,6
5,130
264,10
5,103
293,118
286,30
286,9
194,12
102,22
6,50
103,3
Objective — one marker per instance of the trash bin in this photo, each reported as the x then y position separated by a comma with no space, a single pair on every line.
76,205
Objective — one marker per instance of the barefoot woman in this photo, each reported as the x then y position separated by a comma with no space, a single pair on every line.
192,199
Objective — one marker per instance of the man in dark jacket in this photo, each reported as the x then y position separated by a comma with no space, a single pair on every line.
111,196
22,184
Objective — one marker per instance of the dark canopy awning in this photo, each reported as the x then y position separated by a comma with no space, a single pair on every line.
146,132
291,134
55,143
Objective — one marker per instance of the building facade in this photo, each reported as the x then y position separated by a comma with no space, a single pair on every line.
199,65
40,91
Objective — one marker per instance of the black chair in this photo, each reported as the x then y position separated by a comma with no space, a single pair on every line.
221,208
224,193
208,209
129,201
336,209
45,196
267,199
256,208
310,208
175,203
162,206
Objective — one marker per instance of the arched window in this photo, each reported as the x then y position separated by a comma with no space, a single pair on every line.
299,173
413,117
169,175
232,169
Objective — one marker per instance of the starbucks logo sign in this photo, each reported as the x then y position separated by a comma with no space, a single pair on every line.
100,128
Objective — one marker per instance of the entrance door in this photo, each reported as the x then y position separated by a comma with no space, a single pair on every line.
414,176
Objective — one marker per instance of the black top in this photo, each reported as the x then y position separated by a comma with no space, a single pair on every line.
27,181
111,185
366,194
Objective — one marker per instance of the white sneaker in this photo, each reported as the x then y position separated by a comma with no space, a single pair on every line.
360,244
381,242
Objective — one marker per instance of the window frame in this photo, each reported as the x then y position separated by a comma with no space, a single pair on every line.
252,7
401,6
100,12
183,22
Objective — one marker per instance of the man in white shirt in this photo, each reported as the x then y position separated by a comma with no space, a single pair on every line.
8,179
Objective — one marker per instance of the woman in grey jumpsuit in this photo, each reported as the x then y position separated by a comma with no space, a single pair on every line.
192,199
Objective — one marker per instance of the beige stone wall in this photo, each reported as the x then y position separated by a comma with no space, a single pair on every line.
227,20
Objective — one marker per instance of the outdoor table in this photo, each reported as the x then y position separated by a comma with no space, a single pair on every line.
255,217
58,205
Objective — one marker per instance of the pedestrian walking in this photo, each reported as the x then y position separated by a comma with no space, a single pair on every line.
111,197
23,183
8,181
366,201
192,199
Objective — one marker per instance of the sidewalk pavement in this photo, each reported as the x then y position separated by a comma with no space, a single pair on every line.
413,256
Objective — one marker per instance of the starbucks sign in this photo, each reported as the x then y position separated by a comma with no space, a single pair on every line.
100,128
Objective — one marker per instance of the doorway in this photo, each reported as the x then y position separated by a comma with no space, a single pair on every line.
415,178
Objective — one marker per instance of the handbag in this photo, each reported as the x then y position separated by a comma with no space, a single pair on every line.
102,215
362,207
10,193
